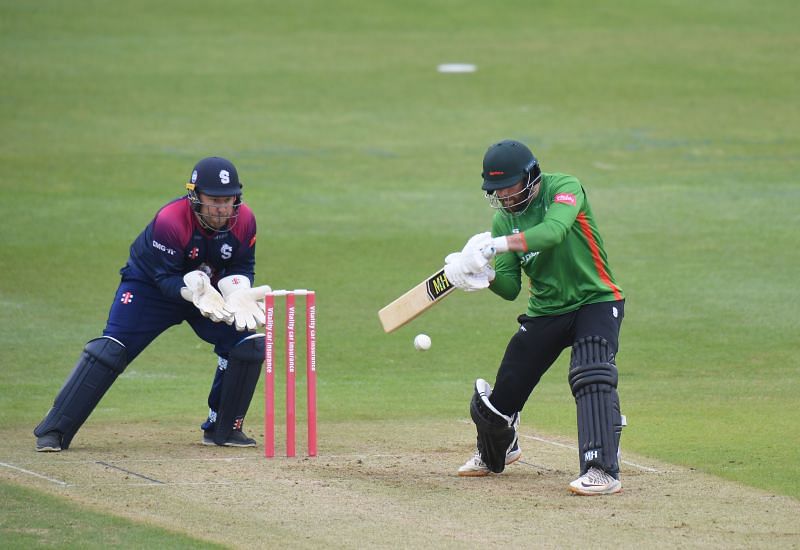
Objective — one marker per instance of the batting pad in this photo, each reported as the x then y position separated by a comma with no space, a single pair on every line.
102,361
593,379
496,431
238,385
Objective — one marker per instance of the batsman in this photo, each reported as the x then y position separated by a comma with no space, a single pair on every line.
544,227
194,262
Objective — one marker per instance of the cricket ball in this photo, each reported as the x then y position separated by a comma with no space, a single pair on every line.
422,342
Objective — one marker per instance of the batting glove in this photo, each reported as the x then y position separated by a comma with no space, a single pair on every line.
205,297
477,252
456,272
246,304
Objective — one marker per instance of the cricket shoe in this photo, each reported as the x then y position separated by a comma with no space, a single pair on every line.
49,442
595,482
237,438
476,467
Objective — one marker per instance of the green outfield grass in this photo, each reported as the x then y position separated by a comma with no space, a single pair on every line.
60,525
363,165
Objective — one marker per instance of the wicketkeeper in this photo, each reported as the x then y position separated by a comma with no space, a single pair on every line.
194,262
544,227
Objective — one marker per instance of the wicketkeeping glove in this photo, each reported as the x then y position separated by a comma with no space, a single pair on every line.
456,272
246,304
205,297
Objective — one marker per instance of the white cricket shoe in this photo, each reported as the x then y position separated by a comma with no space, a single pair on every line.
475,467
595,482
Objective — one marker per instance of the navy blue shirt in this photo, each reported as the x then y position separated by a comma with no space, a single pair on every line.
175,243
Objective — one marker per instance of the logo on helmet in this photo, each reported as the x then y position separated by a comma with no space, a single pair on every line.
496,173
224,177
194,176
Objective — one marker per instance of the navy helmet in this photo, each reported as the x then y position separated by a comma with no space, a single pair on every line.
215,177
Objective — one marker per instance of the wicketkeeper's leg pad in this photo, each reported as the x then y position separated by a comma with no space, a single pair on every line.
238,385
593,379
496,431
102,361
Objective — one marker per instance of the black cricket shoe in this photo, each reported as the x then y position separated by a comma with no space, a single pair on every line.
237,438
49,442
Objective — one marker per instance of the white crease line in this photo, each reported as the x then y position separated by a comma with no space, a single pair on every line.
23,470
167,459
143,484
166,484
645,468
260,459
549,442
573,448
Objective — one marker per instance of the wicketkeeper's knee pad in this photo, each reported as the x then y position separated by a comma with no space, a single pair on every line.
238,385
593,380
102,361
496,431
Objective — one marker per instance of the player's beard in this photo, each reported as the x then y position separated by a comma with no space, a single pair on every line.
517,203
216,221
520,206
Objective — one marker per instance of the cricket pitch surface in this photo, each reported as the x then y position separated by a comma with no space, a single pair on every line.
390,485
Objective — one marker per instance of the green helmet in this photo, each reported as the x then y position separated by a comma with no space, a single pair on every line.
506,163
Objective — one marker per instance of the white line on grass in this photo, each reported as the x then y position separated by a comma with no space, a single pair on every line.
156,459
573,448
23,470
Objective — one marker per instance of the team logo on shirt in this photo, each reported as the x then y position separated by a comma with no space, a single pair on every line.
565,198
194,253
127,297
529,257
226,251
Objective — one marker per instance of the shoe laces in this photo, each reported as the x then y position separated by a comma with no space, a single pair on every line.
596,476
477,460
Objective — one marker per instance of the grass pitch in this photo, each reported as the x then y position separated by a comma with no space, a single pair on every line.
392,485
362,164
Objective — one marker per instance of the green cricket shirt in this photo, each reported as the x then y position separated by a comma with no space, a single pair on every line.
565,259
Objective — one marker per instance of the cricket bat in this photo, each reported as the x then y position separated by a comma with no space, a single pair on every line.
416,301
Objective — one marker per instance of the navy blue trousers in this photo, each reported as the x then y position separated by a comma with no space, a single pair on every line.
140,312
